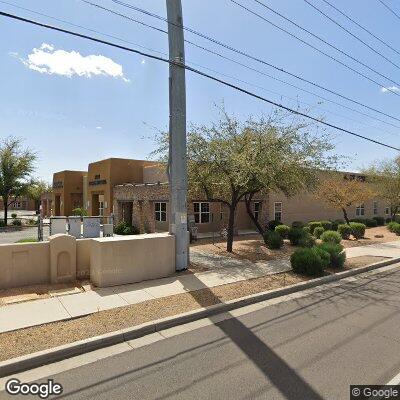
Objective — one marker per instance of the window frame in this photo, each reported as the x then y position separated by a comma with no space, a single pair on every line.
160,214
360,210
201,216
257,209
276,212
375,208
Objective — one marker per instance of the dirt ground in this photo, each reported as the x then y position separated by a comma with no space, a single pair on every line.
252,247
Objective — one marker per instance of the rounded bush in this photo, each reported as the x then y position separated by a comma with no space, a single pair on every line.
327,225
314,224
271,225
371,223
123,228
283,230
379,220
2,224
388,220
295,234
274,240
16,222
297,224
309,261
336,253
14,215
359,220
307,240
331,237
306,229
392,226
357,229
396,230
336,223
344,231
318,231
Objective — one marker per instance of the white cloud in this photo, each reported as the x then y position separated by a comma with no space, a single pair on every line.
13,54
47,60
143,61
99,128
390,88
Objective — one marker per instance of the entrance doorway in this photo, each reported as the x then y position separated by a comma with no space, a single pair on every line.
57,205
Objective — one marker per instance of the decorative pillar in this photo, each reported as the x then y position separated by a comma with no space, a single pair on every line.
137,215
148,217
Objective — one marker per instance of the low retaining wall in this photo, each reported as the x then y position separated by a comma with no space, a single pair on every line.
108,261
118,261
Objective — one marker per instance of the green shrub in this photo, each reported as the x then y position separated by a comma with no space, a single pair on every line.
357,229
331,237
388,220
32,221
396,229
336,223
14,215
274,240
309,261
371,223
271,225
327,225
392,226
16,222
318,231
27,240
80,211
122,228
306,229
314,224
2,224
307,240
379,220
297,224
344,231
295,234
336,253
359,220
283,230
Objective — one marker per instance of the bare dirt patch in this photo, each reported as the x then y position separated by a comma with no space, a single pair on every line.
356,262
370,238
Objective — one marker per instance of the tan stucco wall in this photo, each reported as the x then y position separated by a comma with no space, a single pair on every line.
83,248
24,264
118,261
155,174
70,192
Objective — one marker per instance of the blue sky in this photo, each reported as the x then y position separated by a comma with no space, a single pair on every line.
76,101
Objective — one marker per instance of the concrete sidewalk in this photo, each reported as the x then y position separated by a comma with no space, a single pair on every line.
224,270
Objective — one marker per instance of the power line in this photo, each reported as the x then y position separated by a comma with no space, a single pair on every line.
238,52
316,37
196,71
390,9
352,34
362,27
222,74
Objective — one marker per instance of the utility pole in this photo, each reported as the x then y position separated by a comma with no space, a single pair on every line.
177,168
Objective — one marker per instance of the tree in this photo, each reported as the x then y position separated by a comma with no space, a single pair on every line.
385,178
230,161
341,193
16,167
36,189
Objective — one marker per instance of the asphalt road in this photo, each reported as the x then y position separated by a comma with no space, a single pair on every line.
306,348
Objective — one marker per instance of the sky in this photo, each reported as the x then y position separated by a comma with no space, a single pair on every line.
75,101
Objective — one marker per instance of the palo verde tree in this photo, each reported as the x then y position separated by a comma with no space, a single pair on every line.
36,189
16,167
230,161
341,193
385,179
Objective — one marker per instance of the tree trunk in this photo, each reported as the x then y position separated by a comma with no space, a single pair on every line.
394,212
247,201
345,216
5,202
231,226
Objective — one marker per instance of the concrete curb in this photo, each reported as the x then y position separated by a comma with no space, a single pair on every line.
38,359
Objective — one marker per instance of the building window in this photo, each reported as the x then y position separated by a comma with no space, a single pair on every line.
375,210
96,177
360,210
161,211
17,204
278,211
387,210
201,213
257,209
